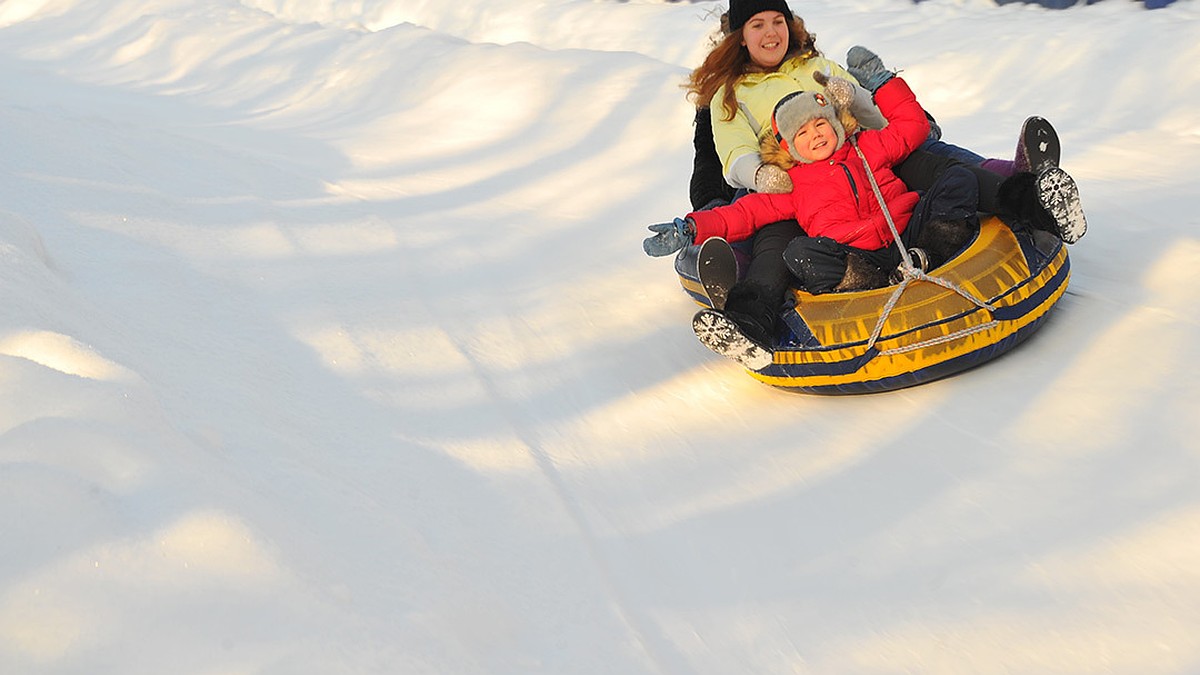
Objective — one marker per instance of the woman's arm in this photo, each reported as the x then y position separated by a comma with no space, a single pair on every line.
864,109
736,142
708,187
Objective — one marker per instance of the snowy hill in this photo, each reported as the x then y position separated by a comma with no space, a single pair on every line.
328,346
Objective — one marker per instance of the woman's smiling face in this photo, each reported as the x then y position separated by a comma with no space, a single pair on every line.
766,37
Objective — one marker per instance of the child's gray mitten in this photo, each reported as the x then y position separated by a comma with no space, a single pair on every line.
839,89
670,237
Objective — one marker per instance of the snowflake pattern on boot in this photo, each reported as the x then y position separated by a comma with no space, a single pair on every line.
720,334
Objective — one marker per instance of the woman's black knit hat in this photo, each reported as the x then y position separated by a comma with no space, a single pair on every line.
740,11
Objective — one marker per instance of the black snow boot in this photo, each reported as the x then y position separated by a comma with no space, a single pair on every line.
943,239
1017,200
1047,202
719,333
754,309
1038,147
861,274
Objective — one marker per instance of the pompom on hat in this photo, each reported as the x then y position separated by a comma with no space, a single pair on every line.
797,109
740,11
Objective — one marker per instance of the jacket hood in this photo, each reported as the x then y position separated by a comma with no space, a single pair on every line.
772,153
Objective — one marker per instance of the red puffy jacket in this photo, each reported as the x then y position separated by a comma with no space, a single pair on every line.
833,198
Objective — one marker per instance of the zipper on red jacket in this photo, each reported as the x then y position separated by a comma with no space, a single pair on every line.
850,177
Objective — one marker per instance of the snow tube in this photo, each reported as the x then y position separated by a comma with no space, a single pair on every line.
985,301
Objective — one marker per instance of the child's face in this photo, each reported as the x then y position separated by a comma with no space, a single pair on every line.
816,140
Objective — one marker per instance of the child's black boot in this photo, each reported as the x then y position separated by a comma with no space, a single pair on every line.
752,307
943,239
1048,202
861,274
745,331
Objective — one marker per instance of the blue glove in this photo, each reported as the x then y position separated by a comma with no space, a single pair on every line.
867,68
670,238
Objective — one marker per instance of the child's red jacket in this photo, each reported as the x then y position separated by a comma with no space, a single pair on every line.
833,198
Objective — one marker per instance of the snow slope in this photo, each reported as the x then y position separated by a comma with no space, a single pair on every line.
328,346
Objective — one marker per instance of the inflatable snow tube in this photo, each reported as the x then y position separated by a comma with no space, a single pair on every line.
982,303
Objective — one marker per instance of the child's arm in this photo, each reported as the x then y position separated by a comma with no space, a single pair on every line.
741,219
907,127
735,222
860,103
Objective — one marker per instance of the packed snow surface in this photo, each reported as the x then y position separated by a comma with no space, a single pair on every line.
327,346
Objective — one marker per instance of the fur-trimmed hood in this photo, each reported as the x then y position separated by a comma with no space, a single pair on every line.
772,153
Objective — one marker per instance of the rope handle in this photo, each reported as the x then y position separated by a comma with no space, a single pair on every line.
910,273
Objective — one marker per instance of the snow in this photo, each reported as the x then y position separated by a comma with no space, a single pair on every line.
327,345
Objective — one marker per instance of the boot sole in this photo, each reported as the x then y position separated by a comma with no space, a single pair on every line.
716,268
722,336
1059,194
1039,149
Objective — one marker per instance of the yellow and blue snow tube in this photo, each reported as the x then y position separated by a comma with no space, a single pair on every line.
982,303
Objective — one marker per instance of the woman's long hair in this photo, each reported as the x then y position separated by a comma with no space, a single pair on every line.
729,60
